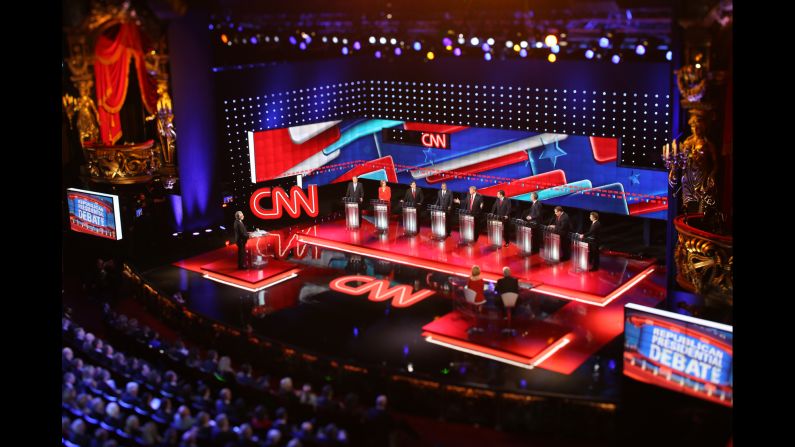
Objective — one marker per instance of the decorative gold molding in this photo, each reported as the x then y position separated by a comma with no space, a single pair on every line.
704,261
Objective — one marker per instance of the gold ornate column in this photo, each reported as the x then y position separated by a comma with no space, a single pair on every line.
157,66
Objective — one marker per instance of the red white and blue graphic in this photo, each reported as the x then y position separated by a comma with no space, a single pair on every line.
678,352
567,170
94,213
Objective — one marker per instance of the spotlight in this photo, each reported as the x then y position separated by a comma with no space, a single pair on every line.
604,42
523,53
457,51
486,47
430,55
490,41
509,44
324,39
447,41
382,40
461,40
669,55
344,41
378,54
372,40
589,54
474,41
487,56
293,41
615,59
345,51
555,49
334,39
398,51
302,45
551,40
640,50
253,40
516,47
552,57
539,45
275,38
523,44
357,46
417,46
392,41
224,38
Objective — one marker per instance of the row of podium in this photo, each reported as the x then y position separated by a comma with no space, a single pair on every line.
527,234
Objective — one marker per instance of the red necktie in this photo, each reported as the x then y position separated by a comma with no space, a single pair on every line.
471,202
414,193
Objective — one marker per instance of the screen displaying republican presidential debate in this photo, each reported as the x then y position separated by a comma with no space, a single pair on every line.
94,213
679,352
566,170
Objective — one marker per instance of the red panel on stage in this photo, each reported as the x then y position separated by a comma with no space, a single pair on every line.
435,128
275,152
447,256
494,163
385,163
528,184
604,149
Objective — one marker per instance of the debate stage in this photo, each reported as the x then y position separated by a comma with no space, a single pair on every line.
561,320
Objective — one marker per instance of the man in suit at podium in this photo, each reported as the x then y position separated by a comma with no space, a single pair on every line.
592,237
355,190
414,195
472,202
502,208
444,199
534,215
241,237
562,227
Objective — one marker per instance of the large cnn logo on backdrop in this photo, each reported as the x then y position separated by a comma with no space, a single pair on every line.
281,201
379,290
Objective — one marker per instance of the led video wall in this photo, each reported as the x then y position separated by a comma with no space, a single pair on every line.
678,352
567,170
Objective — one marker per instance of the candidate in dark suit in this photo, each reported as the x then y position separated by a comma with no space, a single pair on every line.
507,283
444,199
241,237
472,202
502,208
355,190
562,226
592,237
413,195
534,215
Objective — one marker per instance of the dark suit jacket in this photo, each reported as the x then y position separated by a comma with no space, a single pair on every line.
534,211
476,206
241,235
562,225
445,202
358,194
409,198
509,284
592,235
504,210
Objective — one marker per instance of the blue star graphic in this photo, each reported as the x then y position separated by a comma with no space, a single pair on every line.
634,178
428,155
552,152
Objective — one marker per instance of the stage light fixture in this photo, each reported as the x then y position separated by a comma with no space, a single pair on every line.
430,55
392,41
357,46
224,38
523,53
378,54
555,49
345,51
589,54
457,51
551,40
517,48
417,46
509,44
552,57
490,41
293,40
486,47
669,55
487,56
640,50
523,44
382,40
539,45
302,45
447,41
615,59
474,41
398,51
372,40
334,39
604,42
253,40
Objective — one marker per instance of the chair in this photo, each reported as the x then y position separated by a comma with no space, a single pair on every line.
469,296
509,301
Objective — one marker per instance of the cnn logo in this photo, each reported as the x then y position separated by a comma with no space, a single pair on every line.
281,201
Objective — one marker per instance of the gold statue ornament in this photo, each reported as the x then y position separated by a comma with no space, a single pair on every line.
86,110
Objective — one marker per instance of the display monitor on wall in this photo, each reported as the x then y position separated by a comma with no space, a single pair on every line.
678,352
94,213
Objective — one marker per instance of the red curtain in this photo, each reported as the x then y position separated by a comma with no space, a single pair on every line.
112,52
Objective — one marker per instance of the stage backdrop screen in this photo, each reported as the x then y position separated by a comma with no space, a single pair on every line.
567,170
94,213
678,352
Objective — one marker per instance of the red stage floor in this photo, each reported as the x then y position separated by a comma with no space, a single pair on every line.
221,265
615,277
